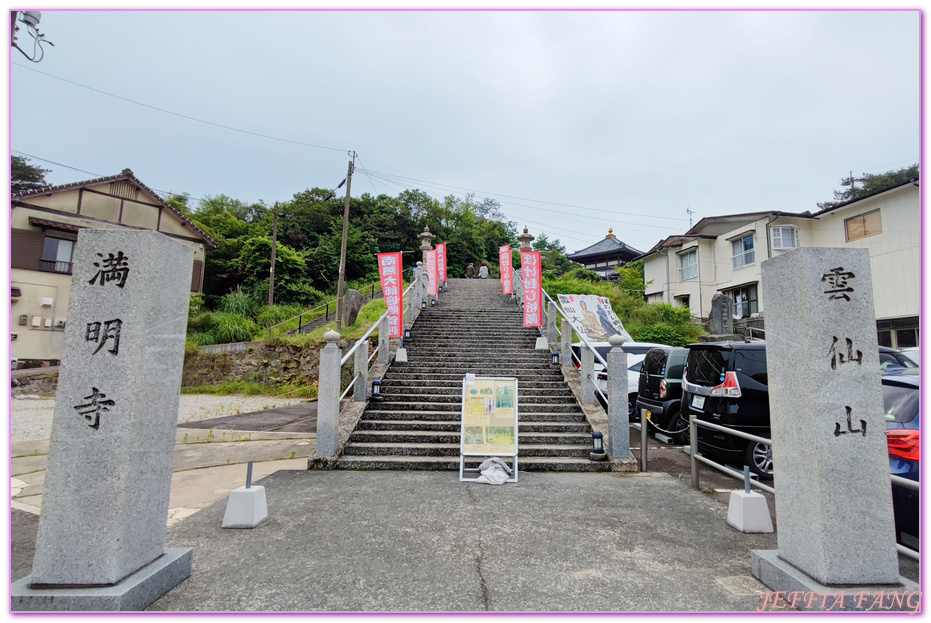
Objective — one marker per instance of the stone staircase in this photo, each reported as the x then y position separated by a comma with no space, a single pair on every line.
416,423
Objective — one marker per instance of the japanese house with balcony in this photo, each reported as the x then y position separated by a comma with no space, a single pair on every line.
723,254
46,224
604,255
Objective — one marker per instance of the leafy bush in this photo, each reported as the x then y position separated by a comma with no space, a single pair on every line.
237,302
663,333
269,315
231,327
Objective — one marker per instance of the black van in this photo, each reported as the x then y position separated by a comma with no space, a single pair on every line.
660,390
725,383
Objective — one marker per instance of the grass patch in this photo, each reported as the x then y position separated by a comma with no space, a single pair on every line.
251,388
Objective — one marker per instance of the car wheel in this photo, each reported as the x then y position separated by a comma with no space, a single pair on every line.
632,408
681,428
759,456
684,423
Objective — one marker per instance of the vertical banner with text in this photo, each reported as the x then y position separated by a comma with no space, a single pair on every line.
441,260
430,261
504,268
389,273
533,290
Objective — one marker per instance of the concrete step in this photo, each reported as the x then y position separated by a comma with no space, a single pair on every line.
581,428
428,389
452,449
441,415
567,406
524,464
524,439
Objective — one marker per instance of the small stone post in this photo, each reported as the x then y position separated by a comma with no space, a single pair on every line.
383,346
328,398
618,415
566,343
830,456
587,370
361,372
551,314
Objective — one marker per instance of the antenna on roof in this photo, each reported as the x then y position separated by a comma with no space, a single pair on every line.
690,213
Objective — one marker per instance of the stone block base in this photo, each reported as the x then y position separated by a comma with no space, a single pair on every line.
135,592
245,508
542,344
794,589
629,465
748,512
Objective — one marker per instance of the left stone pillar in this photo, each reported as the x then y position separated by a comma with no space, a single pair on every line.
108,478
328,397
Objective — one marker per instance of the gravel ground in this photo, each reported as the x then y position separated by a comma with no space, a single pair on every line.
32,418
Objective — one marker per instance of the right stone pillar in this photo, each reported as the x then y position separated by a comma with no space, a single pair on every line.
833,501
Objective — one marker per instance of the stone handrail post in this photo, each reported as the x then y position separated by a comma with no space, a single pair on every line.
551,315
361,372
566,343
618,414
383,341
328,397
587,371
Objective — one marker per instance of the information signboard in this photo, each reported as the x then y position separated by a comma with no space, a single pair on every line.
489,419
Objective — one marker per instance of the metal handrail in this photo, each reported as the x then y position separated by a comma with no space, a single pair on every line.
695,457
359,342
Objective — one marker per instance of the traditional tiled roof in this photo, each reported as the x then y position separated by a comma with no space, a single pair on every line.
127,175
607,244
41,222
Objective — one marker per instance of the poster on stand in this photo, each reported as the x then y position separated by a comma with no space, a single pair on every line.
592,316
532,288
504,268
430,261
441,260
489,420
389,274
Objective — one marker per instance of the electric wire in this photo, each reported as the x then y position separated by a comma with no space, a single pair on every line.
176,114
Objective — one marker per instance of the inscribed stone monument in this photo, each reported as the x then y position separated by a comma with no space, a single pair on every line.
834,507
105,508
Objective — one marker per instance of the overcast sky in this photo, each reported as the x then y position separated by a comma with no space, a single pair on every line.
574,121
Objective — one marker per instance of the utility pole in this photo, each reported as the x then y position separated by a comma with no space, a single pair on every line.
271,271
342,248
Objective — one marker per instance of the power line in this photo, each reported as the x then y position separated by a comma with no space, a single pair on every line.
176,114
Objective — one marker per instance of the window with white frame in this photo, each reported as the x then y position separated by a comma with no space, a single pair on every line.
742,251
688,265
784,237
743,300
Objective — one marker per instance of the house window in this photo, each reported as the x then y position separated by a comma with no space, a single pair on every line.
742,251
56,255
688,265
784,237
868,224
743,300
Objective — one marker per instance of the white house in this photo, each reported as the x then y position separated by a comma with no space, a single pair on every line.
724,253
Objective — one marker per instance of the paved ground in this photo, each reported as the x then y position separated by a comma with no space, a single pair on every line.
395,541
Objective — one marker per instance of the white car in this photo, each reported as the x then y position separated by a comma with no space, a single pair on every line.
636,351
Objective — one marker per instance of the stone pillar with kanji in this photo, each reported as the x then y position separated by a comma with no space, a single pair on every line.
105,506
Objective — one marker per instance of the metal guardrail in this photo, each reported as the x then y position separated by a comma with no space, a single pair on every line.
696,458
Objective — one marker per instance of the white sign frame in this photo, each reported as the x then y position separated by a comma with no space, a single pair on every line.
470,381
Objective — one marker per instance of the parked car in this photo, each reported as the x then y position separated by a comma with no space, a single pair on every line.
660,390
725,383
636,351
901,406
912,354
891,358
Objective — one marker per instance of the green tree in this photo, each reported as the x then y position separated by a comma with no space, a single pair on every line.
870,184
25,176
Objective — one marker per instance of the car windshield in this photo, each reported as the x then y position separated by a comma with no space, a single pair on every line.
706,366
900,403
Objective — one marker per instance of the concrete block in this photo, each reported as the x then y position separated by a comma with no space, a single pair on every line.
748,512
542,343
245,508
135,592
401,355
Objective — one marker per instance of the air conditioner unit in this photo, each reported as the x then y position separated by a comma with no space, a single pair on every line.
37,321
48,323
48,302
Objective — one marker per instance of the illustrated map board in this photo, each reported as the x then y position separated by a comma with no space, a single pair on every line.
489,420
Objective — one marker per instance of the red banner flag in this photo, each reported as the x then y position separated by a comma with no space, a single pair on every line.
533,289
392,289
441,260
504,268
430,260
